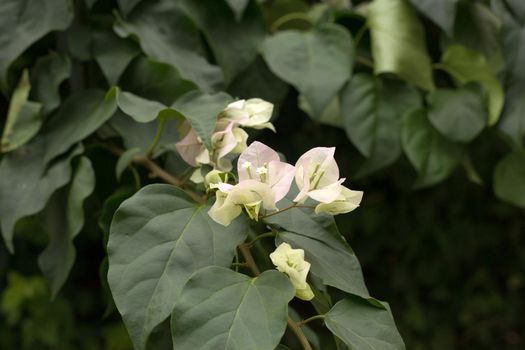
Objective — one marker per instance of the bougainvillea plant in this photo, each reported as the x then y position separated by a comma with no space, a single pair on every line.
231,259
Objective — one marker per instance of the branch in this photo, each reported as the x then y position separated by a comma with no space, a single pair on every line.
157,171
299,334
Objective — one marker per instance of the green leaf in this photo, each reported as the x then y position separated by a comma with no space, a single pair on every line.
158,238
24,22
140,109
469,66
363,326
332,259
78,117
201,110
113,54
258,80
234,48
49,72
238,7
23,118
442,12
459,115
166,34
154,80
141,135
398,42
64,218
331,115
125,160
509,179
222,309
317,62
512,122
478,29
25,195
372,111
433,156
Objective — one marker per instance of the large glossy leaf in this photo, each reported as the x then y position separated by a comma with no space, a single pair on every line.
63,219
78,117
168,35
398,42
25,195
509,179
49,72
113,54
235,44
24,22
459,115
442,12
222,309
154,80
363,326
316,62
372,111
23,117
469,66
158,238
433,156
332,259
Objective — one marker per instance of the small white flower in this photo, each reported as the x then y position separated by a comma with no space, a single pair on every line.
291,262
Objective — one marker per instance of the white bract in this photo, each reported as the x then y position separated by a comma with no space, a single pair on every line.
249,194
317,177
253,113
291,262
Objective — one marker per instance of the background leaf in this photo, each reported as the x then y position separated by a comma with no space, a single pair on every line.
222,309
158,238
64,218
167,35
49,72
23,117
459,115
372,110
24,22
317,62
509,179
398,42
433,156
234,49
442,12
469,66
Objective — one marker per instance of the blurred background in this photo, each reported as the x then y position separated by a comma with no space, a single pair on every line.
449,257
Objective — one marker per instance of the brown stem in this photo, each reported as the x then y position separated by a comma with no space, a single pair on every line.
157,171
299,334
250,263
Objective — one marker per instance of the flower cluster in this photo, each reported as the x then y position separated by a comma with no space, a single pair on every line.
228,137
264,180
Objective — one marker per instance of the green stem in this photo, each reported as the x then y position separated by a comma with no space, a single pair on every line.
360,34
310,319
264,235
285,209
156,140
290,17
